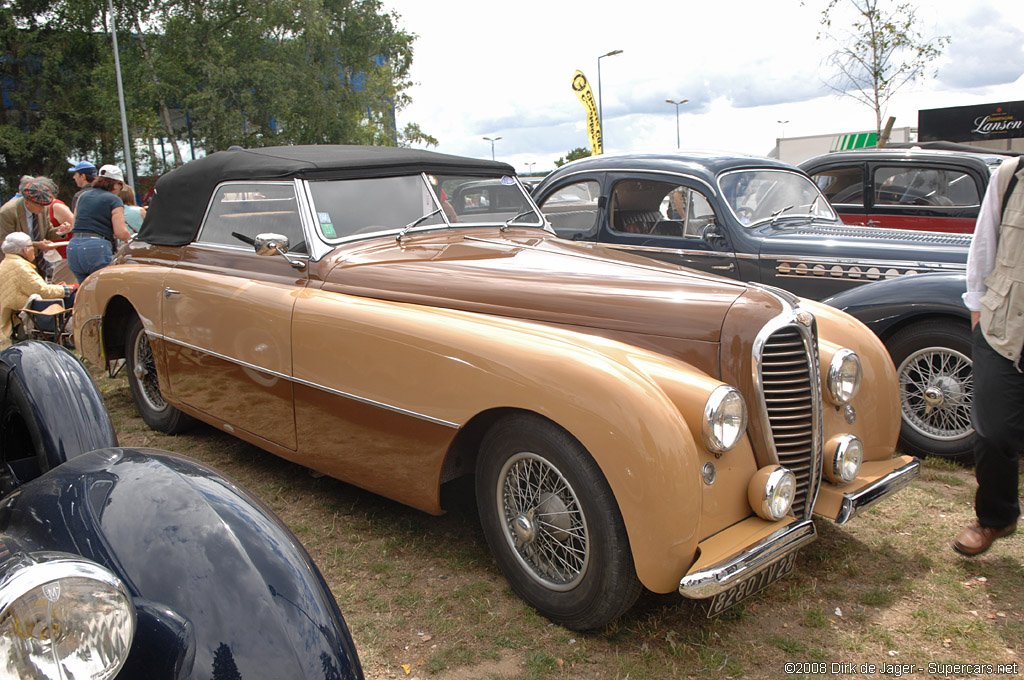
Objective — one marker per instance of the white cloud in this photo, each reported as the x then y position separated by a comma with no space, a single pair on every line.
504,69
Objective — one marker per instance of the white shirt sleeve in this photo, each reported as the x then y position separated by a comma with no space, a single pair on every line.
982,256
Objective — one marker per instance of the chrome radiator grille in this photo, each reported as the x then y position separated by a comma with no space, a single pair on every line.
789,389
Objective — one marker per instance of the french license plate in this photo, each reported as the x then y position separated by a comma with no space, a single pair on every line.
744,589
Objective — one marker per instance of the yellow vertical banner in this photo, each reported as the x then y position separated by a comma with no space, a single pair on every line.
586,96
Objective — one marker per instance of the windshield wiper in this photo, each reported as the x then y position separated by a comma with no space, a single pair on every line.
778,212
509,221
415,223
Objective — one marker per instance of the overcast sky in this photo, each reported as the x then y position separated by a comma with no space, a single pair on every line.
503,69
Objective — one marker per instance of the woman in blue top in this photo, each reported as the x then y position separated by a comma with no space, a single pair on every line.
99,220
133,214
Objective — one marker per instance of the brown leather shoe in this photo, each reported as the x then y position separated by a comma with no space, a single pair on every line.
976,539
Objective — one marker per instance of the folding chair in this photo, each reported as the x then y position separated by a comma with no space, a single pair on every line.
46,320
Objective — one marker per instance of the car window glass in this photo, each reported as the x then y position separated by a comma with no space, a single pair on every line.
659,209
842,186
924,187
572,209
475,200
757,196
250,209
363,206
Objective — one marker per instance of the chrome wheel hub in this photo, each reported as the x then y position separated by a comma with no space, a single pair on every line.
936,391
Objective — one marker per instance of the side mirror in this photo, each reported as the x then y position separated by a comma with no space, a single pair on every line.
275,244
270,244
710,233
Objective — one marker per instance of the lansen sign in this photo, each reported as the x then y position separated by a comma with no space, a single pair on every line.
971,123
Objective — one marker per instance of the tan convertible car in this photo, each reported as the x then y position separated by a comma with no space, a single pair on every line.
398,319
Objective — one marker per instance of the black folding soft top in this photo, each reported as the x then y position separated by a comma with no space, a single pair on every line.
182,195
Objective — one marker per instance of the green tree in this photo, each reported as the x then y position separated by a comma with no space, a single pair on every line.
215,72
880,52
573,155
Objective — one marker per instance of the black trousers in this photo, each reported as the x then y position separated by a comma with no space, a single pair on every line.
998,417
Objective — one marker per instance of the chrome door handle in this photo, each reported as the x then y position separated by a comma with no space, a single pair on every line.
724,267
168,292
872,223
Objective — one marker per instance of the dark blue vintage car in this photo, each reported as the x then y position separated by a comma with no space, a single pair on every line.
136,563
761,220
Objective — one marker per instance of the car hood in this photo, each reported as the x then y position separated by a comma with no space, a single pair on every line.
868,244
535,276
217,580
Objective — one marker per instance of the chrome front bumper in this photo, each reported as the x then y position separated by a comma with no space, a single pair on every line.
852,503
715,578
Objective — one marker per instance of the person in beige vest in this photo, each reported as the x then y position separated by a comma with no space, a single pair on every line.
19,280
995,296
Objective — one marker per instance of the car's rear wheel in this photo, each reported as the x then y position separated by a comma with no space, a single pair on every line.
933,363
145,384
553,525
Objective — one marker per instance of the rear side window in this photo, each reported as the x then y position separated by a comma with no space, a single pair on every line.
924,187
250,209
842,186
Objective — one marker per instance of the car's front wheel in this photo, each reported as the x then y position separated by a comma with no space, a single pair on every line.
553,524
145,385
933,363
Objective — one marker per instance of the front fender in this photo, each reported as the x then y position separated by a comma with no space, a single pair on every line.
887,305
214,574
636,412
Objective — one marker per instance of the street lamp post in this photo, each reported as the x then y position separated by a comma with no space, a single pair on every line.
600,91
492,140
783,124
677,105
529,167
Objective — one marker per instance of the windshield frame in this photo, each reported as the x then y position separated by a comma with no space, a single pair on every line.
787,213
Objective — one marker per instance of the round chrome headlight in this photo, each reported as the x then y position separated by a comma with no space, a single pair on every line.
847,455
725,419
62,616
844,374
771,492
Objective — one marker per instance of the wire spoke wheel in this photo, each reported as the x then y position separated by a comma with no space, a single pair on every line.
544,522
937,389
144,373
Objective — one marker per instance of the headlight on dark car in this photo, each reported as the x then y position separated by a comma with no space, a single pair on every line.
725,419
844,374
62,616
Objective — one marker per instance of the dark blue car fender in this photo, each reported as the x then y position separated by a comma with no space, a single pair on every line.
50,409
218,581
886,306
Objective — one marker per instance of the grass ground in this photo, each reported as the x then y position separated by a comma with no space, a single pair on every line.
883,596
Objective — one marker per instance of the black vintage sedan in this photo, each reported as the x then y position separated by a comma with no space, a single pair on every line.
136,563
754,219
922,189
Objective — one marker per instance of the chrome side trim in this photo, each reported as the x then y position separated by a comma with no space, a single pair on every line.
730,571
853,503
307,383
679,251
